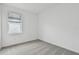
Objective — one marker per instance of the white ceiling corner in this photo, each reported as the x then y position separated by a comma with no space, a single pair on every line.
32,7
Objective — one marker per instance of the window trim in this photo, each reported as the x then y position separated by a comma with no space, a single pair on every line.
20,22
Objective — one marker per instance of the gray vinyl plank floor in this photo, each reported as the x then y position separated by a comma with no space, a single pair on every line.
36,47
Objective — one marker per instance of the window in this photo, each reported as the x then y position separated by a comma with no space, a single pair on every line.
14,23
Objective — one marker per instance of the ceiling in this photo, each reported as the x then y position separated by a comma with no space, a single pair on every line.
32,7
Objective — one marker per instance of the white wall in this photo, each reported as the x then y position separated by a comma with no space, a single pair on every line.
0,26
29,27
60,26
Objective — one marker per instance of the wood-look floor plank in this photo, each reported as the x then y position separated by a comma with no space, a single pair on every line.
35,48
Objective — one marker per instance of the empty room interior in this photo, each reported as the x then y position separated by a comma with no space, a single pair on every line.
39,28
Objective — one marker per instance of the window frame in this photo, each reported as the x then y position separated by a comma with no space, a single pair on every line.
21,23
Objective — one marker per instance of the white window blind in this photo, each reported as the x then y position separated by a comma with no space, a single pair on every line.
14,23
